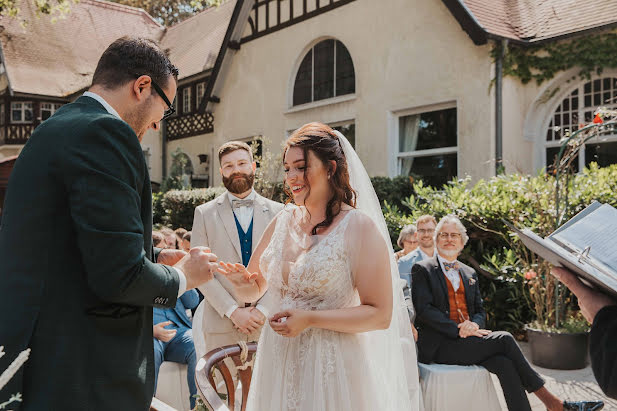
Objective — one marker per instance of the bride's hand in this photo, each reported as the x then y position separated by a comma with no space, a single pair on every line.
248,285
290,323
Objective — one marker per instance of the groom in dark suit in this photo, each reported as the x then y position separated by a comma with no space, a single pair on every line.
80,292
450,319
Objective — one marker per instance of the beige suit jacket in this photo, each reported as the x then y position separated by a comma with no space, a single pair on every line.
214,227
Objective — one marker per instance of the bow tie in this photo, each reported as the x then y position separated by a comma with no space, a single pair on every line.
451,266
241,203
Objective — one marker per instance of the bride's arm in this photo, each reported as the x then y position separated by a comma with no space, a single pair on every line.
370,264
249,282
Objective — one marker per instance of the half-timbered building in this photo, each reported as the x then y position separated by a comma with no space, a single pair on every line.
414,84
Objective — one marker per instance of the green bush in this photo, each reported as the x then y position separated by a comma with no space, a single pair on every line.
395,221
158,212
393,190
176,208
499,258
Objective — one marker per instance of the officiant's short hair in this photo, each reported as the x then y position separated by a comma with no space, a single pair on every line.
232,146
452,219
129,57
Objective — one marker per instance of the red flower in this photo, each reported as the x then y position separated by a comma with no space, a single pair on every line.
530,275
597,119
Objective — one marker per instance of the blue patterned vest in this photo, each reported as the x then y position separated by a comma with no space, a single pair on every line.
246,241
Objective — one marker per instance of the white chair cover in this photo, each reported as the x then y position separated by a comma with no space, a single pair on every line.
172,388
455,387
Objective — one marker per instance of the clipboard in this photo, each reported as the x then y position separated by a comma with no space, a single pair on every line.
589,271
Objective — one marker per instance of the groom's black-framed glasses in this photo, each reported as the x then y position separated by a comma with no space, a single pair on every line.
170,107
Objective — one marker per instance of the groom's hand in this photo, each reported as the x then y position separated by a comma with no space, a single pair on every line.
169,256
198,266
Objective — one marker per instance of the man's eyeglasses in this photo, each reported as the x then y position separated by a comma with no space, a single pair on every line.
426,230
454,236
170,107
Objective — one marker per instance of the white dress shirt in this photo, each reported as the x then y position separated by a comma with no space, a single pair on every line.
243,214
453,275
112,111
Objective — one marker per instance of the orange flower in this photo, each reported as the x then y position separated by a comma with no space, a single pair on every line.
530,275
597,119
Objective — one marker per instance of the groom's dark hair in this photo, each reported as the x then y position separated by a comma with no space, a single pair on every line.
130,57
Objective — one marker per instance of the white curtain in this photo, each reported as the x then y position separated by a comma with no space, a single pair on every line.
408,139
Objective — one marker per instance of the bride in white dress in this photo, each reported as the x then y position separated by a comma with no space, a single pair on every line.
339,336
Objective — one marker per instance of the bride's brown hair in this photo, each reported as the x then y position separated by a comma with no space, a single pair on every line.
323,142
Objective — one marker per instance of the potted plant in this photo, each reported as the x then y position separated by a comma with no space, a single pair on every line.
559,336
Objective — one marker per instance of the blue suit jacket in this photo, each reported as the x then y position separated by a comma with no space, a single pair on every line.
406,262
177,315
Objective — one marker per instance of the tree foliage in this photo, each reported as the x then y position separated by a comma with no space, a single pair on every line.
54,9
166,12
170,12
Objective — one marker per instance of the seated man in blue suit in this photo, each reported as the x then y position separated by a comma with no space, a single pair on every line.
173,338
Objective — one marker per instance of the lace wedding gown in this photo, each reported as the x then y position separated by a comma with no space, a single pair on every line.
319,369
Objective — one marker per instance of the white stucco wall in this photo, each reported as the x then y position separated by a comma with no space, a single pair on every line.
193,146
406,54
152,142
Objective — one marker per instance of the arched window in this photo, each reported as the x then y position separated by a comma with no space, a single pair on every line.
577,109
326,71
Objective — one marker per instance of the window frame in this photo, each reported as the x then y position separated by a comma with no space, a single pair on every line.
604,138
344,123
397,157
328,100
54,107
186,100
22,110
199,95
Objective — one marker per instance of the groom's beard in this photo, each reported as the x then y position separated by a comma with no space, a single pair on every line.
239,185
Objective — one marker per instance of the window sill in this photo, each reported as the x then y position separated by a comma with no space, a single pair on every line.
321,103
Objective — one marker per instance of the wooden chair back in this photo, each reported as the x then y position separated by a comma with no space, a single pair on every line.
242,355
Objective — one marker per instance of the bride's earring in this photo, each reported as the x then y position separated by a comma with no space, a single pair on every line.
328,176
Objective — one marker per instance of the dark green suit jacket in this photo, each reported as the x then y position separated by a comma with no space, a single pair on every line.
76,282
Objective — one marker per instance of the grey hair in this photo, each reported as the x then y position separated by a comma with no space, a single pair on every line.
405,233
452,219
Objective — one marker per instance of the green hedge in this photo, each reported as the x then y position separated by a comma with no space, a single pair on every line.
393,190
176,208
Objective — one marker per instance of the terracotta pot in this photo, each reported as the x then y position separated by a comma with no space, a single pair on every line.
559,351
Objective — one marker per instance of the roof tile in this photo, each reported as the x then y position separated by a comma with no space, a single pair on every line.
58,59
534,20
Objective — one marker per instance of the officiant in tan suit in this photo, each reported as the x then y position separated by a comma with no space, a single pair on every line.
231,225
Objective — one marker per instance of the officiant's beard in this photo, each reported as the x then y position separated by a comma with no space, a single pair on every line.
239,185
